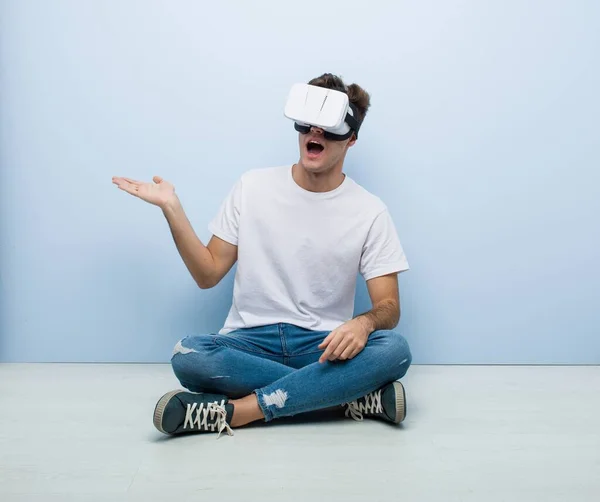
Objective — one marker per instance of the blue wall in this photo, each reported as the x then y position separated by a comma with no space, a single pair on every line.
483,139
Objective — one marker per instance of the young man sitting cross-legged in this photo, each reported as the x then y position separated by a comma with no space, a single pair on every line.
300,235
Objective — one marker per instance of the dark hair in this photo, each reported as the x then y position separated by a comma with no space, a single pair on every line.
356,94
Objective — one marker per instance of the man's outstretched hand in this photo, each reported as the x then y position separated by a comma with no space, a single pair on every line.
345,342
160,192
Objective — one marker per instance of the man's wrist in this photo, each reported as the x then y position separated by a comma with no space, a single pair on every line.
367,322
171,205
384,315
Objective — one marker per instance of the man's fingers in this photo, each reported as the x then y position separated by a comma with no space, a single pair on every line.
133,182
127,185
339,350
129,189
328,339
348,353
121,181
333,343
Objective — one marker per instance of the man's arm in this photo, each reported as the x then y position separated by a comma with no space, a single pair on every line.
385,300
207,264
351,337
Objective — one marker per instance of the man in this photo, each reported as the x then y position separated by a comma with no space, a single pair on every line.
300,235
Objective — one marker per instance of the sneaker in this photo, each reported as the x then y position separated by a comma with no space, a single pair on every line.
388,403
179,412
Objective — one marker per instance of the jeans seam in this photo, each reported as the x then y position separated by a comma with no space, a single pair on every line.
284,352
239,347
297,354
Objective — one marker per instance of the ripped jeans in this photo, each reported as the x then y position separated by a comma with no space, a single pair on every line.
279,363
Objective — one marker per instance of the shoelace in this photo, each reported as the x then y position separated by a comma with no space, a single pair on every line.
371,403
198,415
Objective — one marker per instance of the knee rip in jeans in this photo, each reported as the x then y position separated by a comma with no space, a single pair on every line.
180,349
277,398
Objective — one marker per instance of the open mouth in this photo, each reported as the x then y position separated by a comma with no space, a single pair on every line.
314,148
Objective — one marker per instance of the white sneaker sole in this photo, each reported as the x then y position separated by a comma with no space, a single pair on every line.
160,409
400,402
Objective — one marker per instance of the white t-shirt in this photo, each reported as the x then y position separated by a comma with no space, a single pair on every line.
299,252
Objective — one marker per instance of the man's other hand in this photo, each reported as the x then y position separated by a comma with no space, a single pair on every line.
345,342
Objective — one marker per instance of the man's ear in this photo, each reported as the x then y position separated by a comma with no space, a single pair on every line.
353,140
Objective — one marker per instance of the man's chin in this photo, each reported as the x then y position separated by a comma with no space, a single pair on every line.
314,166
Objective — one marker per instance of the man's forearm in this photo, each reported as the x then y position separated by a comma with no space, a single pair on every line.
195,255
384,315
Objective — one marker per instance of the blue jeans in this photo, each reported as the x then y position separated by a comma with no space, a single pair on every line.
279,363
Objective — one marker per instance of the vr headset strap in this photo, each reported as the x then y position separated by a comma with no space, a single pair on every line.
351,121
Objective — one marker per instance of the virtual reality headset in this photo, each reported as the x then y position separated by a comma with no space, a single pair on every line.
312,106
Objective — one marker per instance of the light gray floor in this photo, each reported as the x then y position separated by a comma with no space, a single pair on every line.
84,432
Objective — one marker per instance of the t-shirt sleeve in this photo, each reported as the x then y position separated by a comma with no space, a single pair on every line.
225,224
382,252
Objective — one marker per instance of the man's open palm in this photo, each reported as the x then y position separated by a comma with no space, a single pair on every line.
158,193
